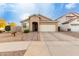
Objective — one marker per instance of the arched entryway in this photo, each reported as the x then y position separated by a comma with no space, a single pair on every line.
34,26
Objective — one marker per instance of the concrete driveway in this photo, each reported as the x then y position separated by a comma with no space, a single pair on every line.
60,44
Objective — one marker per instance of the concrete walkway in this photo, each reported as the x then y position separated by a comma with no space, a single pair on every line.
37,49
14,46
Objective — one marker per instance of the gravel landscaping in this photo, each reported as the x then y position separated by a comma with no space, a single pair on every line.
8,37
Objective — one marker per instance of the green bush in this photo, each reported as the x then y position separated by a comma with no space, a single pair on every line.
26,31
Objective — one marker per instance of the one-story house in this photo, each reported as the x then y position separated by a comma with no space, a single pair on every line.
40,23
69,22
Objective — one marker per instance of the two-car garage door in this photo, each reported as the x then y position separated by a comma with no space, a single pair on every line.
47,28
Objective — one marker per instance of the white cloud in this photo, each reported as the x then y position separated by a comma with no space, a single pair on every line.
25,10
25,16
26,7
70,5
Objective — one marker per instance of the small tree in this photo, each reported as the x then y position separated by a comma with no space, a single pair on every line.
12,24
2,23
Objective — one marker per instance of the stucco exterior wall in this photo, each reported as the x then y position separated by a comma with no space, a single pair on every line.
61,20
43,19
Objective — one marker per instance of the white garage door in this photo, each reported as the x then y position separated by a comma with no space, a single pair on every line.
75,28
47,28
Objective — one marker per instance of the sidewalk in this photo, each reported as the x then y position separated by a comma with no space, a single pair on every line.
14,46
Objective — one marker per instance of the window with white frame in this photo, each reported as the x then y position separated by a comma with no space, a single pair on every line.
24,25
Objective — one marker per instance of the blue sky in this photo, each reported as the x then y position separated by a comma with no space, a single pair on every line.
16,12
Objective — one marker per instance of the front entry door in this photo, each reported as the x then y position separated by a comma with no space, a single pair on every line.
34,26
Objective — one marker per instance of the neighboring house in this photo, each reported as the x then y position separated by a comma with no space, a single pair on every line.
39,23
69,22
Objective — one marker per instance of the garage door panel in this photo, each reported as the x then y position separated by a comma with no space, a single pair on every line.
47,28
75,28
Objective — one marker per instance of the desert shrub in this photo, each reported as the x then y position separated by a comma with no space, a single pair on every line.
26,31
1,31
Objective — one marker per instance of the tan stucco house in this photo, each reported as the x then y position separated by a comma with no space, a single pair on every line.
39,23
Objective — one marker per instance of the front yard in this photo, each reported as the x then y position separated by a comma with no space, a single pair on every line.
8,37
40,44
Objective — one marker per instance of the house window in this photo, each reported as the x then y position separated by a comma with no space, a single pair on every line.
24,25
